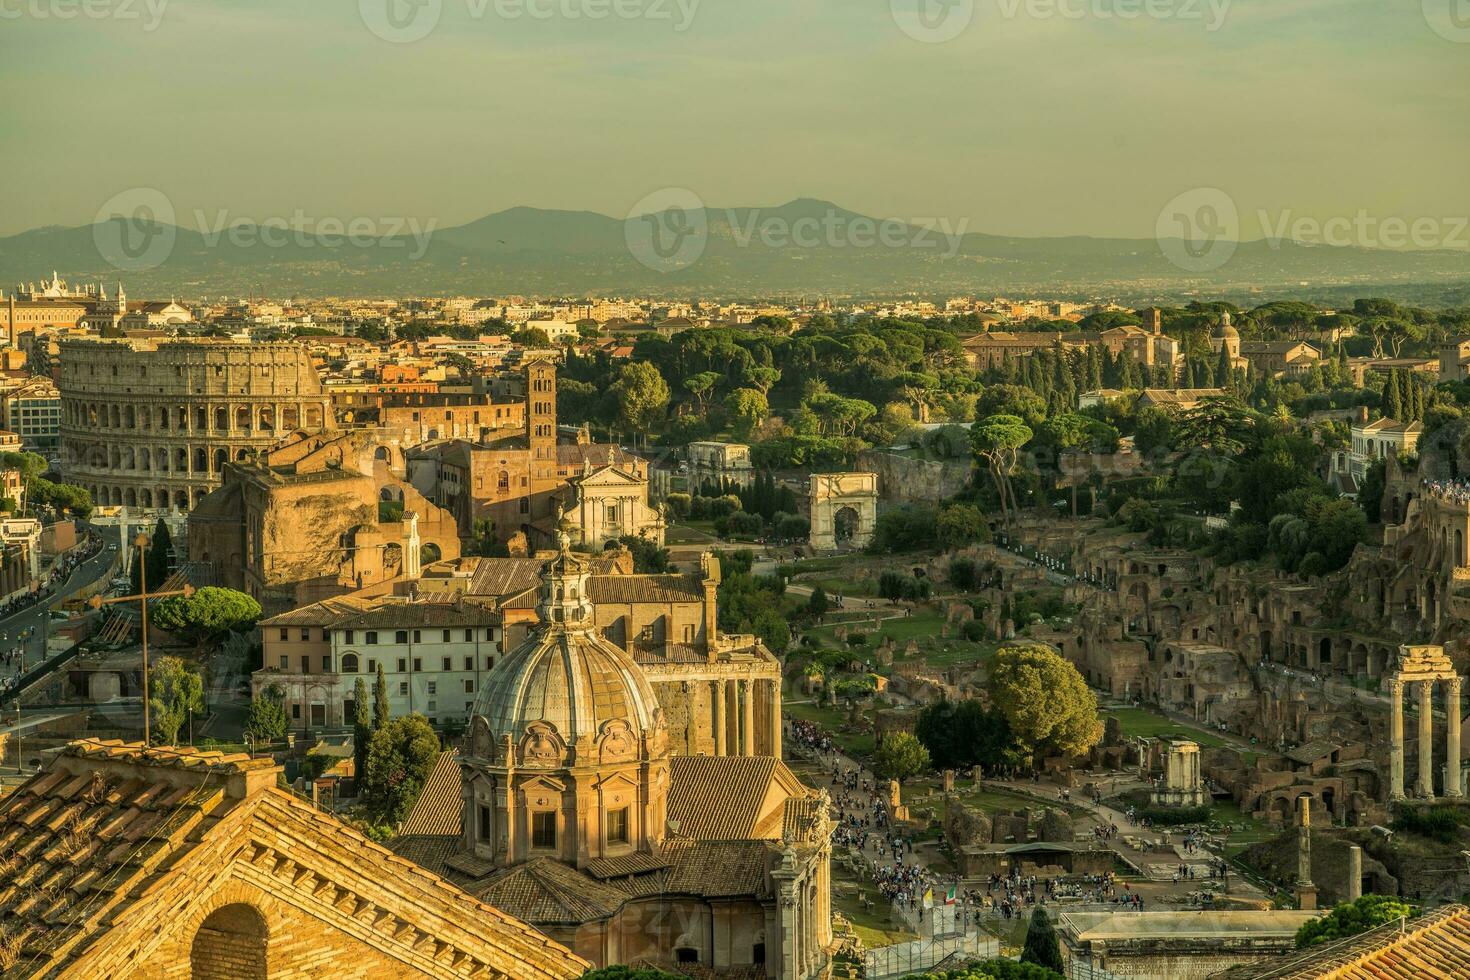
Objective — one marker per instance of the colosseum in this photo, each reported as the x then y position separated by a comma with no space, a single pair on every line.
151,423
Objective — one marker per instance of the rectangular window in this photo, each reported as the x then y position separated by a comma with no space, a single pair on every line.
306,634
433,687
401,636
617,826
469,635
285,662
418,664
327,664
416,636
403,688
484,822
447,664
372,637
295,711
285,633
469,663
347,636
306,665
489,663
469,687
372,666
446,636
402,665
543,829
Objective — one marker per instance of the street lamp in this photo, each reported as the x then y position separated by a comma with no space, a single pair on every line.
97,602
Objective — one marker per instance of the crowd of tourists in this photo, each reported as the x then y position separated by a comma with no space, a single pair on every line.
1455,491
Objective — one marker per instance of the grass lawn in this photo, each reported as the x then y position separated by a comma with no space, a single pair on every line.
687,534
1147,724
875,928
834,585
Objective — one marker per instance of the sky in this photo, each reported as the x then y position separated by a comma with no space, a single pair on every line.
1020,117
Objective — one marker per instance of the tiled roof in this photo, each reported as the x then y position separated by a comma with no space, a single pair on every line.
100,848
505,576
324,613
545,891
408,615
645,588
439,808
729,797
717,869
618,867
1434,947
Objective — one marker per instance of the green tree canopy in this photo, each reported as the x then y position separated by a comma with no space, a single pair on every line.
206,615
400,756
176,692
958,525
1351,918
266,719
1042,947
900,756
1044,700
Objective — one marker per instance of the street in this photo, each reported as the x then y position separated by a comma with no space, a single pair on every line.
36,618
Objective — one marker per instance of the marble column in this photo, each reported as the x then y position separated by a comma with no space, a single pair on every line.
1453,738
1396,739
719,716
774,717
1355,873
1425,789
747,718
1306,892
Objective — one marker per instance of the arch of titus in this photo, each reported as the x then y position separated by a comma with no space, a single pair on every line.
830,495
1424,666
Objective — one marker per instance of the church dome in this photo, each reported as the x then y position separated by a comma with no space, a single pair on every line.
566,676
573,681
1224,329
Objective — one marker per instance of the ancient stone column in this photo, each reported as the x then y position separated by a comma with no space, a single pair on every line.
719,719
1396,739
1425,789
1452,786
1306,892
775,717
1355,873
747,718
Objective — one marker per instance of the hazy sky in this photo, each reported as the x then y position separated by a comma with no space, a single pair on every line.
1043,118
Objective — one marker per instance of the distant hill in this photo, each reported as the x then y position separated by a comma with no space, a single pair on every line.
805,247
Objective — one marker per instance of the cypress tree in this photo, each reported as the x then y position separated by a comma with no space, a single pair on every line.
381,712
362,726
1189,378
1041,946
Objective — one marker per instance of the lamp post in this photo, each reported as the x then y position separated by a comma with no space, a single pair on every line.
97,602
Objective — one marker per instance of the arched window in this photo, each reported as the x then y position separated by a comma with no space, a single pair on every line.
230,945
349,663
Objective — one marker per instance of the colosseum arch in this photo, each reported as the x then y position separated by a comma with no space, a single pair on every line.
231,944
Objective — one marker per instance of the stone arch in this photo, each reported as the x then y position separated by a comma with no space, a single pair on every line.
181,499
230,944
843,509
242,418
429,553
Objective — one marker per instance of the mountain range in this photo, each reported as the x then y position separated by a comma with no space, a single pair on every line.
806,248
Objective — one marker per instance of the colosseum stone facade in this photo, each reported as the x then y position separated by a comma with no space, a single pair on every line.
151,423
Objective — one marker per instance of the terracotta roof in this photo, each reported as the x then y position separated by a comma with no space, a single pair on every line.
729,797
717,869
407,615
324,613
546,891
112,838
439,810
1433,947
505,576
645,588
